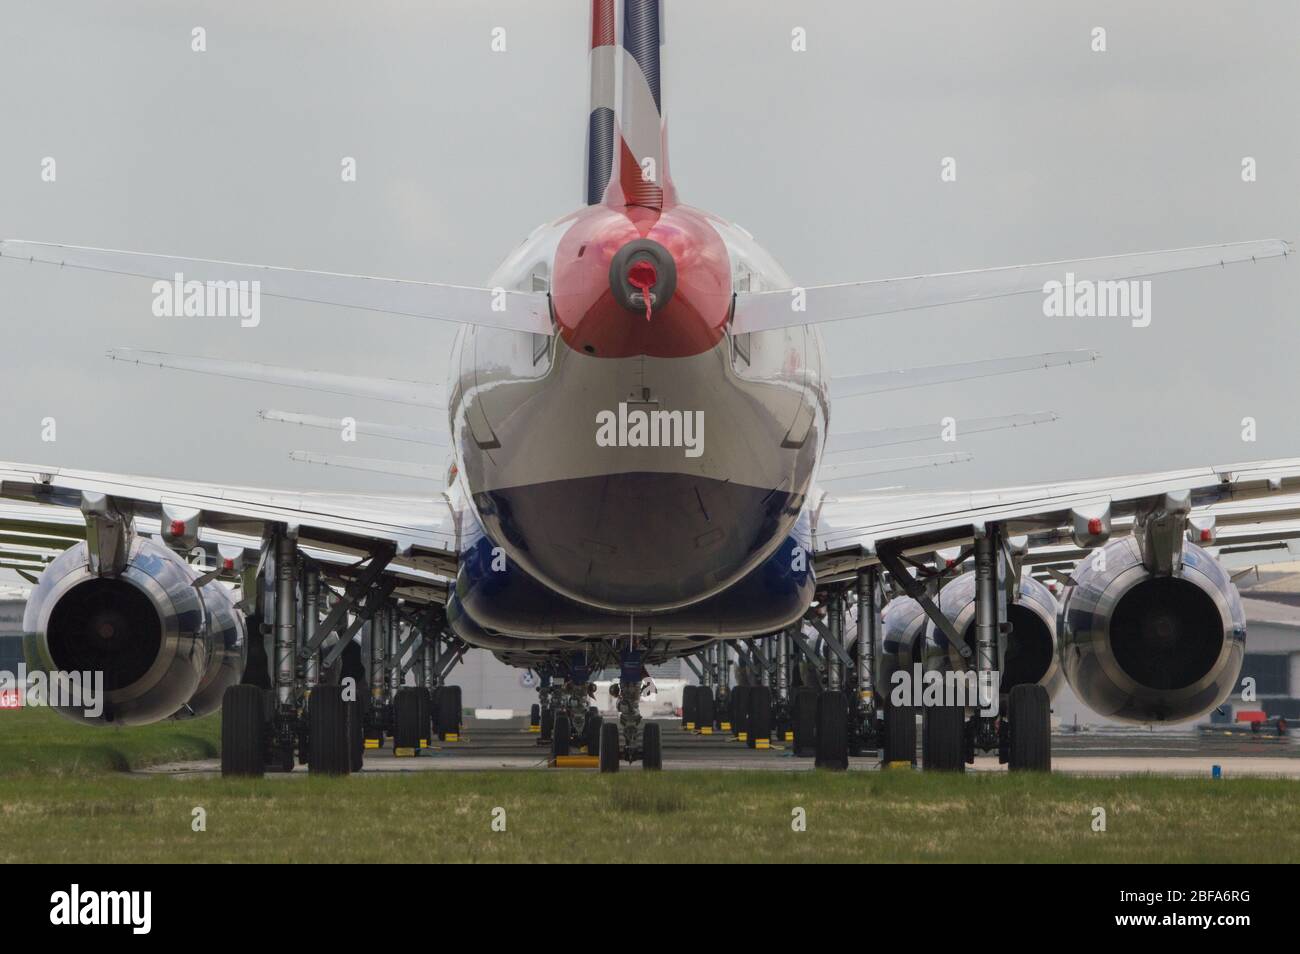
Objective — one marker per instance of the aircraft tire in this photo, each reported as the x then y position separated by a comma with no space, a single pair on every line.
832,731
943,742
1029,712
560,736
608,747
327,732
241,731
652,750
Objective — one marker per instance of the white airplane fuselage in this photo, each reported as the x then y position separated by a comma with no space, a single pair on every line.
635,465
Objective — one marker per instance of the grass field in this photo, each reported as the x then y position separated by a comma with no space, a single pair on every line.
38,742
61,800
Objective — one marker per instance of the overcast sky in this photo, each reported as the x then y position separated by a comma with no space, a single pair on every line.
830,157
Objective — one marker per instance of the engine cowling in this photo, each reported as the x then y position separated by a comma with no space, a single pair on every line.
902,632
147,629
1143,648
228,634
1030,649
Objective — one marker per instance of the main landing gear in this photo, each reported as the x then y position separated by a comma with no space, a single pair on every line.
305,702
1019,728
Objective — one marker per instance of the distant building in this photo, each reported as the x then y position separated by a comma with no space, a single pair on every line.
1272,658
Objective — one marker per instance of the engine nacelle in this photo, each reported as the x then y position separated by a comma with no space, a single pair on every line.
902,632
1143,648
1029,651
147,629
228,634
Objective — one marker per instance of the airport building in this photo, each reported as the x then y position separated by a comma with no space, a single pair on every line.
1272,659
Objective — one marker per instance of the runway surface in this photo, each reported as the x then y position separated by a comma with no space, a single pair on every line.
498,745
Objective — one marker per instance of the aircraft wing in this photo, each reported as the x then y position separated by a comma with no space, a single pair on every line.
497,308
849,530
419,530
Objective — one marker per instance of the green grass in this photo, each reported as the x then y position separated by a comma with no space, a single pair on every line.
60,800
39,742
670,817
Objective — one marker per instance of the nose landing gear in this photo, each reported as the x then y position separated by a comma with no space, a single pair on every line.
633,738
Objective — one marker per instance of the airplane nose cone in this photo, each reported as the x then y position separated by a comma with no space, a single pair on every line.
643,277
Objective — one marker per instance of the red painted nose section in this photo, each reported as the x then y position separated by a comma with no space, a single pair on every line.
610,308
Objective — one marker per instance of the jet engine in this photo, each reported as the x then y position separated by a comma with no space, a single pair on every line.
902,628
229,638
160,643
1029,651
1142,647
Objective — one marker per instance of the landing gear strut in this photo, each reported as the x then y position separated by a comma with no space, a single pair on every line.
311,706
633,738
1019,727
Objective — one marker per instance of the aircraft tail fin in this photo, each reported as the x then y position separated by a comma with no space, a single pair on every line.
413,393
395,432
600,122
876,382
839,443
373,465
640,174
836,471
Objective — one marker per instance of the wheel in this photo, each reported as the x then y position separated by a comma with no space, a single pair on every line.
721,707
406,716
426,716
652,750
832,731
241,731
943,742
704,717
356,735
448,711
435,695
327,732
1029,713
759,724
351,667
535,715
608,746
591,734
257,671
548,724
352,682
286,759
805,720
560,741
689,696
740,711
898,729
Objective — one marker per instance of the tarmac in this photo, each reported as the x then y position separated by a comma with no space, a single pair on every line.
509,745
